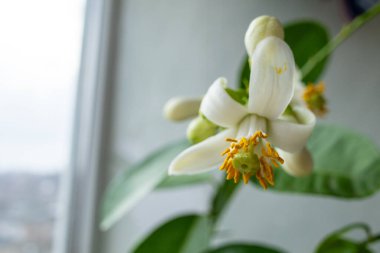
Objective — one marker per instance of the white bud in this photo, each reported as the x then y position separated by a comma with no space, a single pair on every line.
260,28
182,108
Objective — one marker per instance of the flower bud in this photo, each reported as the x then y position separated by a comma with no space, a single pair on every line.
260,28
200,129
182,108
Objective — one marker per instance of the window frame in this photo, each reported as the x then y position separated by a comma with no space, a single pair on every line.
77,229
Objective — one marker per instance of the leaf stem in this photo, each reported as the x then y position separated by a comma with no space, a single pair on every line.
344,33
222,197
372,239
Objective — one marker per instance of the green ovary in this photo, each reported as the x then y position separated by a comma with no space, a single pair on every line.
246,162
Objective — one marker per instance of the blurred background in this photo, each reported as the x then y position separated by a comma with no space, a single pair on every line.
135,55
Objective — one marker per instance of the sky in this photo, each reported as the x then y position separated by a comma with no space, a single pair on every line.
40,43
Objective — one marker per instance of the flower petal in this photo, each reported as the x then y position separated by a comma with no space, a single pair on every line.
292,136
203,156
250,125
271,83
297,164
219,107
299,88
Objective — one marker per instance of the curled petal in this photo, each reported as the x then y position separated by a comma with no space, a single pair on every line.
297,164
292,136
271,83
219,107
203,156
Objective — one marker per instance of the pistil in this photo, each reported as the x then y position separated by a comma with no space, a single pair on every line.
251,156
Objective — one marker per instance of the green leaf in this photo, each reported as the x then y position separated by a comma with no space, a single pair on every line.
186,234
130,186
240,95
342,246
336,243
306,38
245,248
178,181
346,165
245,72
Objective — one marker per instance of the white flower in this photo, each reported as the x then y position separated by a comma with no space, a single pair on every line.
249,128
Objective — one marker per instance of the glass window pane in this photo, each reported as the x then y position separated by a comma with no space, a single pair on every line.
40,49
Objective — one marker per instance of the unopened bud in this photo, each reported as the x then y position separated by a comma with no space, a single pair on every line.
260,28
182,108
200,129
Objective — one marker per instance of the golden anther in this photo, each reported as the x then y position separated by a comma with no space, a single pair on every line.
266,159
313,95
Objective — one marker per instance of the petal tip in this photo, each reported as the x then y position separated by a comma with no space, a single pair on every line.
298,164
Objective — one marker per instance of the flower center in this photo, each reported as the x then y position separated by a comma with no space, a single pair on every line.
314,98
251,156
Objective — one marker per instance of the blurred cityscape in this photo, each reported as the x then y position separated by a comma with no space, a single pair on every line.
27,212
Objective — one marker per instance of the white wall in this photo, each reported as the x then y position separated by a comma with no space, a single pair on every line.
171,47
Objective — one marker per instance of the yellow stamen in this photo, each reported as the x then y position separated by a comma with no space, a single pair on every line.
236,177
261,181
266,160
246,177
313,95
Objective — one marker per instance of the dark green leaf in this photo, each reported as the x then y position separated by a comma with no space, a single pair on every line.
245,72
240,95
306,38
130,186
346,165
186,234
336,243
342,246
245,248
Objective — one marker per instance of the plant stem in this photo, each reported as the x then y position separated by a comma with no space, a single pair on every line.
221,198
344,33
373,239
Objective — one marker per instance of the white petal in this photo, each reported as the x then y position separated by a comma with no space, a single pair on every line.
250,125
182,108
220,108
292,136
297,99
271,83
297,164
203,156
299,88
